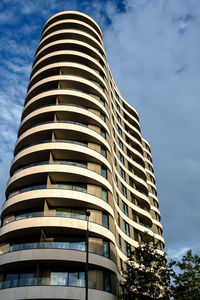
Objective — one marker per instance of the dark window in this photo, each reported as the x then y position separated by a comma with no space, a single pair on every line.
118,118
104,195
103,151
134,216
121,158
120,143
118,219
106,281
125,208
120,241
105,249
103,172
105,220
122,173
126,228
123,190
103,133
127,248
119,130
117,106
102,116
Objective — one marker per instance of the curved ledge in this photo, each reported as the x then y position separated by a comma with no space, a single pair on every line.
58,255
82,115
18,201
54,292
65,127
59,146
54,222
75,23
68,173
73,93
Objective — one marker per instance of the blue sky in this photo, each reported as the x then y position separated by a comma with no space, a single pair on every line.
153,50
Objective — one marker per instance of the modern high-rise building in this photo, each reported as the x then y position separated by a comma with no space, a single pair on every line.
79,150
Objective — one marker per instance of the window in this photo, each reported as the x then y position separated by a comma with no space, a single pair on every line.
122,173
127,247
105,249
134,216
103,172
120,242
121,158
118,118
136,235
103,151
133,200
120,143
102,101
126,228
105,220
125,208
123,190
118,219
117,199
103,133
102,116
116,95
117,106
104,195
119,130
106,281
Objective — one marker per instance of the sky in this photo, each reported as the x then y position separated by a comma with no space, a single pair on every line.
153,50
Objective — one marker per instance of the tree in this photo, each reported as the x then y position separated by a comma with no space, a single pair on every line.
146,276
186,282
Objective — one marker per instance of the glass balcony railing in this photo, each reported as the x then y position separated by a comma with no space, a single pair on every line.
61,121
55,162
44,186
42,281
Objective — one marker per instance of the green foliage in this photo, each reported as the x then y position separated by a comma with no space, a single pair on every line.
186,282
146,276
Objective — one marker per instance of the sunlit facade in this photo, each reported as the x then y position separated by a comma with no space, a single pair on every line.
79,149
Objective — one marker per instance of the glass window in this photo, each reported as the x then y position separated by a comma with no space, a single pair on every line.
103,172
119,130
125,208
102,101
118,219
102,116
120,242
127,248
136,235
106,249
59,278
103,151
103,133
121,158
106,282
134,216
122,173
123,190
120,143
126,228
116,95
117,106
104,195
105,220
118,118
133,200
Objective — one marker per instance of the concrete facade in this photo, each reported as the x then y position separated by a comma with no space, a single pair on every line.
79,149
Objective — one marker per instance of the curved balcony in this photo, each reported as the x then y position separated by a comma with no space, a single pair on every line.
65,82
42,133
75,46
67,68
72,24
63,173
76,97
76,55
64,113
75,15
